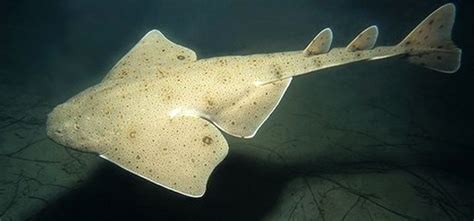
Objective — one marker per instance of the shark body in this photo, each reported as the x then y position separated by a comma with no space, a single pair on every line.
158,112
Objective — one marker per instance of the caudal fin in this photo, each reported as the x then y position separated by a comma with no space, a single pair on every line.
430,44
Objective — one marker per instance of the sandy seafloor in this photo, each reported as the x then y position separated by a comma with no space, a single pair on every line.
381,140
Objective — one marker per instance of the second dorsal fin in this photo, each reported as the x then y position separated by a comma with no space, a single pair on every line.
365,40
320,44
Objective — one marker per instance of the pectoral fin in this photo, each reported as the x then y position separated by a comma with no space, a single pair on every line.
153,54
244,118
178,154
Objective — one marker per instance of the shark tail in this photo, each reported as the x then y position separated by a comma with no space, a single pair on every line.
430,44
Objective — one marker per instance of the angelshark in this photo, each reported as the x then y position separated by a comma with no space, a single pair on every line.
160,111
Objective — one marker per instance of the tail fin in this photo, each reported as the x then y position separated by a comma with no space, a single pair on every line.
430,44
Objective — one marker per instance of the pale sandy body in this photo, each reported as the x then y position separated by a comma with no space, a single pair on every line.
157,112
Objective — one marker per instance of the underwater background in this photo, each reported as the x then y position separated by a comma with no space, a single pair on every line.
383,140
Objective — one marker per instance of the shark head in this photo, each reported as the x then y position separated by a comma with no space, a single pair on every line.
69,128
59,125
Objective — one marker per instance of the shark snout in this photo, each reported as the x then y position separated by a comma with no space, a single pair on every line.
57,125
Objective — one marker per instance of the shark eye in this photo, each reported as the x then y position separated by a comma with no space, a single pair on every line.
58,132
76,126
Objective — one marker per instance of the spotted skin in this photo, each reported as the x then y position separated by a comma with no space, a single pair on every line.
158,112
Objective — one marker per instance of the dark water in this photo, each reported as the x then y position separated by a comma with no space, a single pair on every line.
383,140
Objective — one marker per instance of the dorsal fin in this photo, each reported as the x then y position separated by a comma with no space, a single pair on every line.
151,55
365,40
320,44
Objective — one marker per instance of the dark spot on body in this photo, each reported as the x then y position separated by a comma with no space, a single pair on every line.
431,22
207,140
278,74
138,157
439,57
